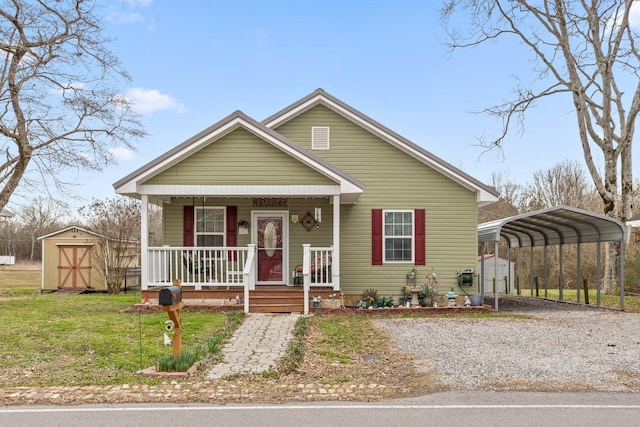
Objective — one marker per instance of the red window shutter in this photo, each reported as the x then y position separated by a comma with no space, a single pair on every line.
376,237
232,229
187,226
420,238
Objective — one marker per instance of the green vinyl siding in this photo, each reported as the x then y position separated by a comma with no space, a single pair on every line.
392,180
240,158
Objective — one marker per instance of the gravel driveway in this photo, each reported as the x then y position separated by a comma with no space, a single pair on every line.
549,347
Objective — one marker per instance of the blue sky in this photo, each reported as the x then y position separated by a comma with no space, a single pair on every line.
195,62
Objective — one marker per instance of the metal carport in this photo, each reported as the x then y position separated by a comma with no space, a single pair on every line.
559,225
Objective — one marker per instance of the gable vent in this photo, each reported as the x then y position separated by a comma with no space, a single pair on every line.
320,138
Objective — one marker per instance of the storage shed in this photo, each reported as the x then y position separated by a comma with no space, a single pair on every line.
6,259
68,260
505,282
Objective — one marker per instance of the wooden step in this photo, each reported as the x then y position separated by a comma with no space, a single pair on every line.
276,301
276,308
289,300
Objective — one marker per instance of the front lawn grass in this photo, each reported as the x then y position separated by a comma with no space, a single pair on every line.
51,339
631,303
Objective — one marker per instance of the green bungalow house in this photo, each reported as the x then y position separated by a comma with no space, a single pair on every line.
317,199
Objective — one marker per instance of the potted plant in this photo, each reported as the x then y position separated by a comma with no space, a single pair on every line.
412,273
430,290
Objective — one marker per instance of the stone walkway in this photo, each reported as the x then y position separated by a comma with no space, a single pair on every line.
257,345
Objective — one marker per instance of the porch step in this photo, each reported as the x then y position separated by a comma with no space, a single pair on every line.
274,300
278,300
258,307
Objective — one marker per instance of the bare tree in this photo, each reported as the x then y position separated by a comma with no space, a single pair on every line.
8,232
42,216
59,100
586,49
117,222
507,205
563,184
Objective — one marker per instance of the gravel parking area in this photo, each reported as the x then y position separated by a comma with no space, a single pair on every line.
545,346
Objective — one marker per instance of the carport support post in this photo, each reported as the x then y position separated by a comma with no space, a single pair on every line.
531,270
482,270
598,276
546,271
622,273
518,278
560,274
508,288
495,274
579,279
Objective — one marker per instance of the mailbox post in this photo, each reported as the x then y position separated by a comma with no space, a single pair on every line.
170,298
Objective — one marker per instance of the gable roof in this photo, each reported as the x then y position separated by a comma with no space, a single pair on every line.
84,230
350,187
65,229
485,194
6,214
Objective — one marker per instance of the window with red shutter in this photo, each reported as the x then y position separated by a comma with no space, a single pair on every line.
398,236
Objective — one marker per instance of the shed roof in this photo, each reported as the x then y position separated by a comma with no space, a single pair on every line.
553,226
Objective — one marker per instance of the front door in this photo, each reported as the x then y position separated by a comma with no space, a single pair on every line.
271,239
74,266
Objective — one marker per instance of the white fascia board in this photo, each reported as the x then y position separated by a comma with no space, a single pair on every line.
236,190
130,187
349,188
485,198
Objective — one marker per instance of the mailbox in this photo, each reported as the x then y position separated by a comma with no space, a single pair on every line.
170,295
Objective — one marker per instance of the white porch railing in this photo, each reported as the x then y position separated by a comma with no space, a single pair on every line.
197,266
229,267
316,270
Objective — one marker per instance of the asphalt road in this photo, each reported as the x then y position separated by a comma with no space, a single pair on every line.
450,409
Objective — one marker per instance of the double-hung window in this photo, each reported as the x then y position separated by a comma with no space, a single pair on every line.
210,226
398,235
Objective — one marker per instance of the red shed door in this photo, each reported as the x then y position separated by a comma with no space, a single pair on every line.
74,267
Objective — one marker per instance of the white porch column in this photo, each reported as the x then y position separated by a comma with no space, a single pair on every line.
306,276
144,242
335,262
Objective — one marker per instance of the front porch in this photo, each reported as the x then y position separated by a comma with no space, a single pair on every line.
228,276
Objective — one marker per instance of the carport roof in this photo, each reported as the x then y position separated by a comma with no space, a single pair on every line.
553,226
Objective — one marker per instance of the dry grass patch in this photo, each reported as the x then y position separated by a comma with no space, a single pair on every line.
334,357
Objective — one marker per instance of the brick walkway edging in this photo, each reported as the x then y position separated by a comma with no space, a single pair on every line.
204,392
